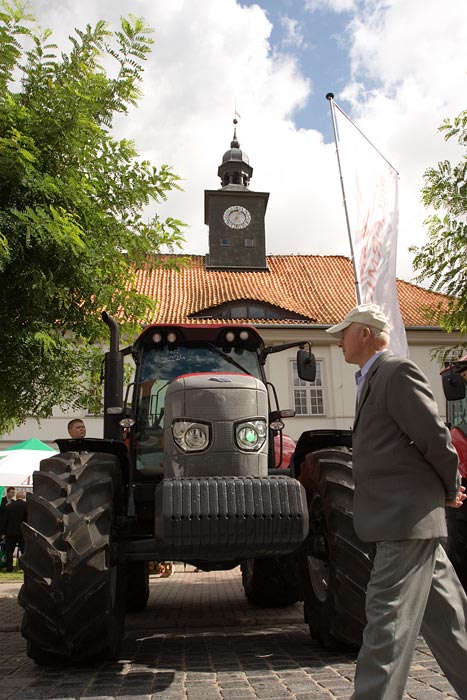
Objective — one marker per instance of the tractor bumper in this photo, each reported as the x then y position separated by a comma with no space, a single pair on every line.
225,518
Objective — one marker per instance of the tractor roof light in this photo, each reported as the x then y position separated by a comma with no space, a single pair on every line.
230,336
171,337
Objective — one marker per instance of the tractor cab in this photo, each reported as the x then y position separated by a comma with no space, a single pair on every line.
165,353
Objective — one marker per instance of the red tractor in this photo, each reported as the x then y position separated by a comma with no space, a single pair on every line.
454,382
188,471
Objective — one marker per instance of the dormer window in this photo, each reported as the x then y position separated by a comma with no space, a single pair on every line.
249,308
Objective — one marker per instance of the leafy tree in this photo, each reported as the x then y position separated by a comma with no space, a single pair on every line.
443,259
72,229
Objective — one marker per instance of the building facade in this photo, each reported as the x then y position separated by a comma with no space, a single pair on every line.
287,298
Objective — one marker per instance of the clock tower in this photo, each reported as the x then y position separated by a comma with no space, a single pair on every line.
235,216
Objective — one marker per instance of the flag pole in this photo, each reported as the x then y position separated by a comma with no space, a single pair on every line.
358,297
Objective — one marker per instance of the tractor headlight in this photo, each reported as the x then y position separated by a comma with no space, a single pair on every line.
191,436
250,435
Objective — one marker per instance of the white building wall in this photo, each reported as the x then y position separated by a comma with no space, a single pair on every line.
339,377
338,384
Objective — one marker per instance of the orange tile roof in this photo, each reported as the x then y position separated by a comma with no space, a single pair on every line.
318,287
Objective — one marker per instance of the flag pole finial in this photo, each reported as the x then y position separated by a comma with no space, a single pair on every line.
330,96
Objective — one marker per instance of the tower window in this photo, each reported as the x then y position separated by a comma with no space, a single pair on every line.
225,242
249,242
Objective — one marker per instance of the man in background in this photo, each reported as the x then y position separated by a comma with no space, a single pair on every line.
76,429
15,514
6,500
10,496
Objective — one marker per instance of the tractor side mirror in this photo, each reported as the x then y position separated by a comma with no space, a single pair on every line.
453,386
306,365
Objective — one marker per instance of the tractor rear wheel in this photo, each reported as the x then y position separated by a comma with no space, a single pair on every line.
73,591
137,586
270,583
334,565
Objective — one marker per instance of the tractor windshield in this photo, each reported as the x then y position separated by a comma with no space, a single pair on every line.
159,366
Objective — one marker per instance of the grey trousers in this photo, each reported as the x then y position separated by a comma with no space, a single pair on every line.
413,589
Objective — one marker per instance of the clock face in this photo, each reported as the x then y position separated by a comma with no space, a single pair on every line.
237,217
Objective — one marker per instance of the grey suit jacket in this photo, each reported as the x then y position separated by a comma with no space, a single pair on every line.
404,464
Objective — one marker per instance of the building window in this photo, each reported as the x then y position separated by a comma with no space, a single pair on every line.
249,243
308,396
225,242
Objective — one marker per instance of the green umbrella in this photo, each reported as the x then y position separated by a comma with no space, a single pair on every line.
31,444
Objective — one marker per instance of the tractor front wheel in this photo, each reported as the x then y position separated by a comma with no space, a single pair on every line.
73,591
334,565
270,583
137,586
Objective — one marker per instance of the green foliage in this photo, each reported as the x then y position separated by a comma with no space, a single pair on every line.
72,229
443,259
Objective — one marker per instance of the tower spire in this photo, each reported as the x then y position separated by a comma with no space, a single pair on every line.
234,143
235,170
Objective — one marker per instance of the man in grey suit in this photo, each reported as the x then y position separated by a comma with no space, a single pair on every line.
405,472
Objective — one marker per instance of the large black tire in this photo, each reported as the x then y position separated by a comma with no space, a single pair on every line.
457,539
270,583
333,564
73,591
137,586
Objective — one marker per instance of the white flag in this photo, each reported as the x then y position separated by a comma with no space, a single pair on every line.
370,185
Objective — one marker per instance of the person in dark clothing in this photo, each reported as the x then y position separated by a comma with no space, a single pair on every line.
6,500
10,496
15,514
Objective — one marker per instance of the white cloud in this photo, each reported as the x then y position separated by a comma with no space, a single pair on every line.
415,66
408,70
334,5
293,36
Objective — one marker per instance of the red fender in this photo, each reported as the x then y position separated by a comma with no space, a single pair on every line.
288,448
459,440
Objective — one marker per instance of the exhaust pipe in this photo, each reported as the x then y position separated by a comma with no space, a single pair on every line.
113,382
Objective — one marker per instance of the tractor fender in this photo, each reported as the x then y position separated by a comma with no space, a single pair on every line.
459,440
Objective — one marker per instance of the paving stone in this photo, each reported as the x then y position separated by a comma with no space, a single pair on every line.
203,642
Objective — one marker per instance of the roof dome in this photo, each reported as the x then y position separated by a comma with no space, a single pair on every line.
235,152
235,170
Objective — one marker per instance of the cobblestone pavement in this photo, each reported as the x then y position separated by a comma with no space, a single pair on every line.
199,639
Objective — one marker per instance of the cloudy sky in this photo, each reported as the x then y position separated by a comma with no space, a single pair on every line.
397,67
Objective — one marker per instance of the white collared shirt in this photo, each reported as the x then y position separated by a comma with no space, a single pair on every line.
363,371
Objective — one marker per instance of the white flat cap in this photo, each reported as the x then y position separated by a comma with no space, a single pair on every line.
367,314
